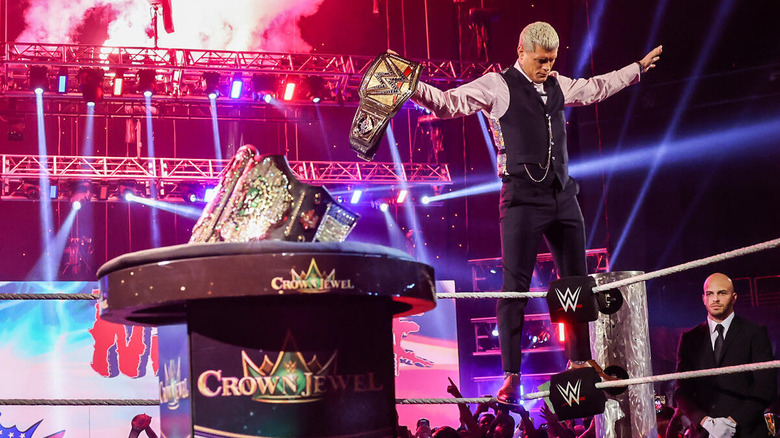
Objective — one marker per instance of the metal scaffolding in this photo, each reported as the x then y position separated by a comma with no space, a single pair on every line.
179,73
169,175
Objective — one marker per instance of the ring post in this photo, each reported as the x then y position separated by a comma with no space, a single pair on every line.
623,339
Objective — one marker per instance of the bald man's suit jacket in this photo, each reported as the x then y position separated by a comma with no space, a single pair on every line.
742,396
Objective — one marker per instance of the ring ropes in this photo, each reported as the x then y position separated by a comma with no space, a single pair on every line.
772,364
631,280
529,396
613,383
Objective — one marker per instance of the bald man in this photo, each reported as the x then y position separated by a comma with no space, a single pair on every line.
730,405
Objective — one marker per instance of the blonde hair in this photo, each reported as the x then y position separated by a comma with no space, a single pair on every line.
538,34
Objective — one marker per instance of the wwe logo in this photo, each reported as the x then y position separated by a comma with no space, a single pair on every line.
568,299
570,394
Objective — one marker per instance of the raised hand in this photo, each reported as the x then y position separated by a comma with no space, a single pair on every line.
651,58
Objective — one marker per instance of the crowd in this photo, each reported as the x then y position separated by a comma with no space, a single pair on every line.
491,420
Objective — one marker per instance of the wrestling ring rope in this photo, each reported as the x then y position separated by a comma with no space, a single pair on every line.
486,295
635,279
613,384
412,401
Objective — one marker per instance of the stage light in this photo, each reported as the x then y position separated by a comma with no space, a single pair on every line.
384,206
401,196
147,79
91,84
264,87
209,194
211,83
126,191
80,191
76,205
316,88
425,200
561,332
32,192
356,196
495,332
118,85
289,91
102,194
192,193
39,78
53,189
237,86
62,80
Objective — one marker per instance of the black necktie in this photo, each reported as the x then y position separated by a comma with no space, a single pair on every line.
719,343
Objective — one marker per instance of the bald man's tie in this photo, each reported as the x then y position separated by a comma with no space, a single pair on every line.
719,343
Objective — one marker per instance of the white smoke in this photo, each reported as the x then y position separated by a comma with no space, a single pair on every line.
237,25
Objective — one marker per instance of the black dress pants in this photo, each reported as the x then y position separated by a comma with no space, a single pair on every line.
528,212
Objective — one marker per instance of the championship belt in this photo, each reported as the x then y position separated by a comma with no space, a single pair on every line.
389,82
259,198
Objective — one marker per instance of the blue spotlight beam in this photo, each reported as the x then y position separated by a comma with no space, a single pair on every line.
719,19
586,51
181,210
88,145
649,44
397,238
411,214
47,221
215,128
156,240
488,140
716,145
479,189
50,260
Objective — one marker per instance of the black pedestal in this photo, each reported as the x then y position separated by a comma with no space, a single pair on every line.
281,339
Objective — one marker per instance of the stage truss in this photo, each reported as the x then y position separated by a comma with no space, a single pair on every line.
180,72
105,178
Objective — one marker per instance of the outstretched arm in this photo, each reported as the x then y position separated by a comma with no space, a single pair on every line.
579,92
467,99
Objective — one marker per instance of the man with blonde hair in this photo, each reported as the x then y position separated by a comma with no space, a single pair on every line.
525,106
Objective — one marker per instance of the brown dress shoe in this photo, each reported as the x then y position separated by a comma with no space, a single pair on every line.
510,390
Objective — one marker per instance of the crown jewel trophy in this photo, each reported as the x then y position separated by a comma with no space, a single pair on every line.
387,84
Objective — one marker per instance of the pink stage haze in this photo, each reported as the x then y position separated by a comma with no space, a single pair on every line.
237,25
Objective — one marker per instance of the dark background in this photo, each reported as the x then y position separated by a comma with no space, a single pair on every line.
710,108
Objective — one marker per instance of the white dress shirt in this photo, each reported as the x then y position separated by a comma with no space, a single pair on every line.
714,333
490,93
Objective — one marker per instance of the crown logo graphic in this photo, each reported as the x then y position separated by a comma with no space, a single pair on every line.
289,378
313,280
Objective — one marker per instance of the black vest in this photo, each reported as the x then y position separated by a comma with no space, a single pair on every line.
524,127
